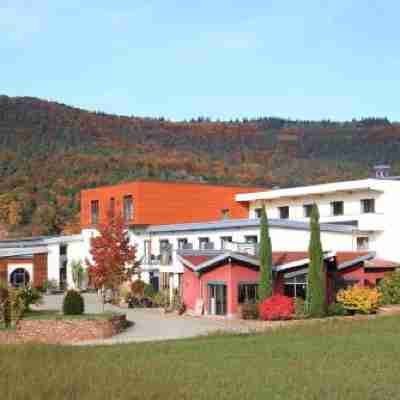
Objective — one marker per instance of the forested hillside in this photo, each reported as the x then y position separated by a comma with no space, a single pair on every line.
50,151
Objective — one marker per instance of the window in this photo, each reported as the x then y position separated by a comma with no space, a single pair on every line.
251,239
147,251
225,240
182,243
257,212
225,213
307,208
367,206
204,243
247,293
128,208
94,212
112,207
296,286
283,212
363,243
19,277
63,250
337,208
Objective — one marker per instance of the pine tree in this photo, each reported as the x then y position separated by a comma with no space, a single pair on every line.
265,283
316,296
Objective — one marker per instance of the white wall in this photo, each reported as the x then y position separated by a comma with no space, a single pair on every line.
282,240
382,225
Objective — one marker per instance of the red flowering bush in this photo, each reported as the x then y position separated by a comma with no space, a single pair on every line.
276,307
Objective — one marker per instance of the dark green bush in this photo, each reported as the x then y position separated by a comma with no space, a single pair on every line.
73,303
337,309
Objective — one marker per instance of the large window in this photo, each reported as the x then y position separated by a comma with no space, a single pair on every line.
19,277
283,212
250,239
225,213
225,240
362,243
337,208
247,293
257,212
112,208
128,208
204,243
182,243
94,212
367,206
296,286
307,208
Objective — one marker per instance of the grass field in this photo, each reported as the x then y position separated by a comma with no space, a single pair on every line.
330,360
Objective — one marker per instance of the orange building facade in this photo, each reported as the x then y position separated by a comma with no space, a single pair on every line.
148,202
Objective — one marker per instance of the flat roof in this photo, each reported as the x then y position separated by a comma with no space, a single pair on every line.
18,252
347,186
247,223
38,241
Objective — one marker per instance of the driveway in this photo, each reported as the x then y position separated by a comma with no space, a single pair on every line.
151,324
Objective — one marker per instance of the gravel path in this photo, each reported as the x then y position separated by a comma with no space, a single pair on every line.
151,324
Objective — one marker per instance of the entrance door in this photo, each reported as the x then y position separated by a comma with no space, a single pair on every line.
217,299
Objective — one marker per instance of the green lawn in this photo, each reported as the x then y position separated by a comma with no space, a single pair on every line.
331,360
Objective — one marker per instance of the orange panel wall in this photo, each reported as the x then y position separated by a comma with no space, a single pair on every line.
167,202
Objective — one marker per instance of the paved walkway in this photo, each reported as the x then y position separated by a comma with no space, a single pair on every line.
151,324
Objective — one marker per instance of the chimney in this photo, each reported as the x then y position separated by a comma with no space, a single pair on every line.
381,171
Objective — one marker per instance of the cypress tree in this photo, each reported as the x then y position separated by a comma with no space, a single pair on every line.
265,283
316,297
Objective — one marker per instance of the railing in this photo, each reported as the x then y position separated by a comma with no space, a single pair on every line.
242,247
164,258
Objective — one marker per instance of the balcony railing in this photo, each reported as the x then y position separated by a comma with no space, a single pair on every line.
164,258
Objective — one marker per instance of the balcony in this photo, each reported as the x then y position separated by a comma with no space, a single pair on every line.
242,247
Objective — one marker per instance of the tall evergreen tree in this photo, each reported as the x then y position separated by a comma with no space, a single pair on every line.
265,283
316,296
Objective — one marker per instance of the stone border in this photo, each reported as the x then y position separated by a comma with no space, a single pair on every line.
63,331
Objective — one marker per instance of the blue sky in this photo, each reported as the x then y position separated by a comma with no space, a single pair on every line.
179,59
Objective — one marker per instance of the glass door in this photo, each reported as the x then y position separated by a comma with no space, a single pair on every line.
217,299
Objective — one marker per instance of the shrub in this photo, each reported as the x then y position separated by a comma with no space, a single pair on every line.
73,303
299,308
359,299
161,298
49,285
249,311
137,288
11,305
149,290
337,309
124,292
389,288
276,307
31,296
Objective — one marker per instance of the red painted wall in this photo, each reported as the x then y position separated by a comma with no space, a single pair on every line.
167,202
364,276
195,288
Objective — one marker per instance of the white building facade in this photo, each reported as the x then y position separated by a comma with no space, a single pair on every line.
370,205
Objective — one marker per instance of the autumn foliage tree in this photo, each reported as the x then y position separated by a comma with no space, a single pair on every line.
113,257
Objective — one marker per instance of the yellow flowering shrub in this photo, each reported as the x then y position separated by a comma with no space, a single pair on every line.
359,299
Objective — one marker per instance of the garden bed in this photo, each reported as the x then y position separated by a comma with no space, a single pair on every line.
54,328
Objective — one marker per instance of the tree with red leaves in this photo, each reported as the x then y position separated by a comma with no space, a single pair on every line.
113,257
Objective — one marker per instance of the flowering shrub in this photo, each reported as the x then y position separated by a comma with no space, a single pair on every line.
359,299
276,307
389,287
